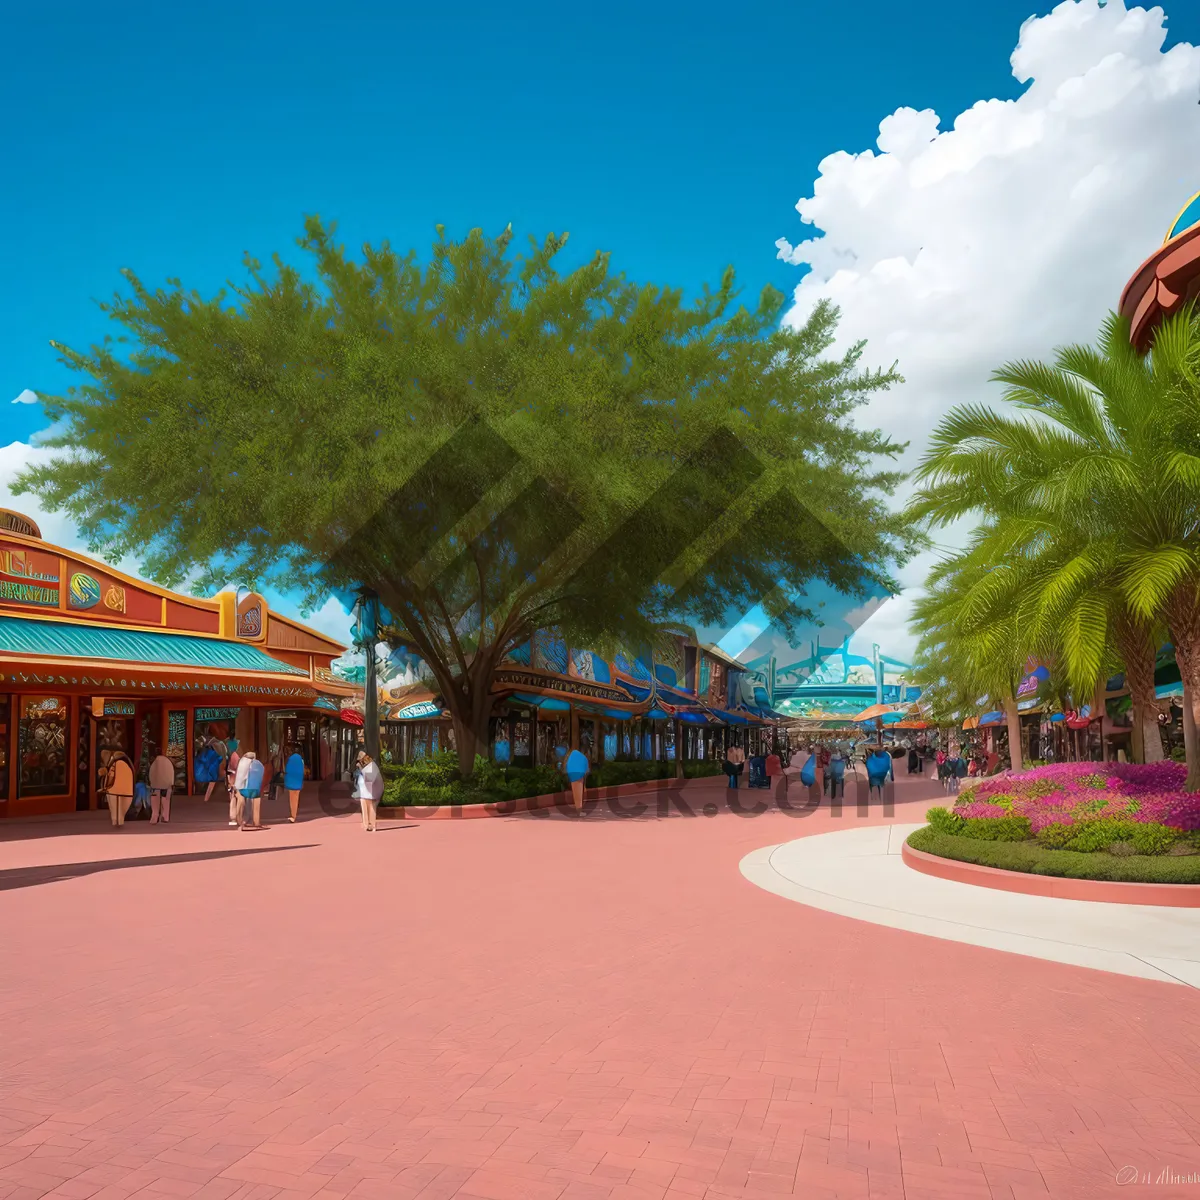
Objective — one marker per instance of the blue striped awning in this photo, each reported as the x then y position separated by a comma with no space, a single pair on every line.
63,639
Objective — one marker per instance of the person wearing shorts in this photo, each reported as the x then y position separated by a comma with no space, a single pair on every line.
162,781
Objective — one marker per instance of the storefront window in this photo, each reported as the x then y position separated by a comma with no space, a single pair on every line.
43,746
216,723
177,746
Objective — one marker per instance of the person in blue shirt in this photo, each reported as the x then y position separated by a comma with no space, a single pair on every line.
576,768
293,781
879,769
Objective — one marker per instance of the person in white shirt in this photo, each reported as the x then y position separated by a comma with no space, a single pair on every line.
238,799
370,789
162,781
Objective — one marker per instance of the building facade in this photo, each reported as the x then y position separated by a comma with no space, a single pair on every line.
94,660
688,704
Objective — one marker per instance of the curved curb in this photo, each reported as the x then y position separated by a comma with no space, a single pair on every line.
1104,891
508,808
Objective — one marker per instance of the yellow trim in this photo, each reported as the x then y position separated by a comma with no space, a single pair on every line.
1172,236
222,603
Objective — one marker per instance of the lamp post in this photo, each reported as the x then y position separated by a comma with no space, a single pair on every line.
366,632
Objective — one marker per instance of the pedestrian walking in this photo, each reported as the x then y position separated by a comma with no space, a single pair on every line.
293,781
879,770
835,774
369,789
118,786
232,766
942,773
735,764
914,761
821,765
774,770
162,782
250,787
576,768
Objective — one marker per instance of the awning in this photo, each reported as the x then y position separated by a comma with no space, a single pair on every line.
65,639
663,692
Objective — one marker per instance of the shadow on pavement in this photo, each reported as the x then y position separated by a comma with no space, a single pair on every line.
23,877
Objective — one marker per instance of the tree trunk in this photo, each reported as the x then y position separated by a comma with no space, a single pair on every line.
1137,651
1183,617
678,749
1099,712
1013,718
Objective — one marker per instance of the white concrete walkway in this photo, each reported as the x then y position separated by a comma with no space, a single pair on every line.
859,873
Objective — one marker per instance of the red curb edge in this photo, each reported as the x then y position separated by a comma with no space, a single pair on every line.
458,812
1106,891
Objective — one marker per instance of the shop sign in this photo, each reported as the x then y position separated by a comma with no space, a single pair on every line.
25,577
40,707
102,707
573,687
426,708
217,714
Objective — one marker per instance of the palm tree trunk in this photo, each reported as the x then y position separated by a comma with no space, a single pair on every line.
1183,618
1137,651
1013,719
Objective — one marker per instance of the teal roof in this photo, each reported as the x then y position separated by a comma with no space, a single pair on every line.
1186,219
62,639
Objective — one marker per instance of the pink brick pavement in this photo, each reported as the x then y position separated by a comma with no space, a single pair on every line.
544,1009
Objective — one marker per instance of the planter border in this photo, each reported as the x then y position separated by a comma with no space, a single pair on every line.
1104,891
509,808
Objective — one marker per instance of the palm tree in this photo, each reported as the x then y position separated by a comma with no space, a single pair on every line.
973,639
1100,485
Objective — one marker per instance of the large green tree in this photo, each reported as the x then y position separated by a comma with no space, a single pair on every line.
494,445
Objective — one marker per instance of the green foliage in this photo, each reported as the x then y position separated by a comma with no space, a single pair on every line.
1034,859
945,821
1088,837
1055,837
612,774
1088,493
287,434
422,785
995,829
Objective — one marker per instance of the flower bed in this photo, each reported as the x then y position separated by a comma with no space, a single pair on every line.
1114,810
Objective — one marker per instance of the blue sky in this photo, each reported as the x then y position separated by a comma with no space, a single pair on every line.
170,138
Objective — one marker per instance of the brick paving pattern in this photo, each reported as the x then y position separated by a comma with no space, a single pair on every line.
540,1008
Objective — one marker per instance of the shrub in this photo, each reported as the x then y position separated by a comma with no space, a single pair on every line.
1150,838
996,829
613,774
1055,837
1123,849
1034,859
944,821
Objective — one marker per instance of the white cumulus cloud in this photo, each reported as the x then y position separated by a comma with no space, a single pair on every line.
954,247
26,397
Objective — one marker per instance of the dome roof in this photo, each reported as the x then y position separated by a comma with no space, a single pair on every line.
1187,218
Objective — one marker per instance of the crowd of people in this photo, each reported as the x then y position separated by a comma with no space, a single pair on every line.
247,780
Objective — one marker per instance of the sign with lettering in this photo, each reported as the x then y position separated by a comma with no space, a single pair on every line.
574,687
217,714
28,577
415,711
102,707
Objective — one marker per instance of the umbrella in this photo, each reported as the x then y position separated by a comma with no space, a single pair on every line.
880,712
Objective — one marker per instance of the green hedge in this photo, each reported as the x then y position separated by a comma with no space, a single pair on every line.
436,780
1033,859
